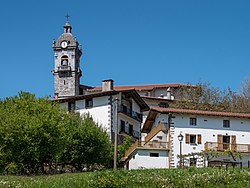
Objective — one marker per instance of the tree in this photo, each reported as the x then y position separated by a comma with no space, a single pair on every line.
30,133
35,134
88,145
206,97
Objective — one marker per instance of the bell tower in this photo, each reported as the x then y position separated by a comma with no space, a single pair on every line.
67,70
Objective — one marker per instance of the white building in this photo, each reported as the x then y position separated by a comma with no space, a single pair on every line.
201,130
101,106
157,145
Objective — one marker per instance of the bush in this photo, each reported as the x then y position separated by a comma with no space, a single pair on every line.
37,136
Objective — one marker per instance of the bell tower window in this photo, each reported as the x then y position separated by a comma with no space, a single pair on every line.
64,69
64,60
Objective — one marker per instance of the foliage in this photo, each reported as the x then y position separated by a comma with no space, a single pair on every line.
148,178
36,135
87,145
122,148
208,155
109,179
206,97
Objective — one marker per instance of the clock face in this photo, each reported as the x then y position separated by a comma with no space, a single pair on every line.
64,44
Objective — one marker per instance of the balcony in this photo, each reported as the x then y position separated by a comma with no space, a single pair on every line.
242,148
64,68
131,132
125,110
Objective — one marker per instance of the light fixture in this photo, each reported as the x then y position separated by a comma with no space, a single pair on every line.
180,137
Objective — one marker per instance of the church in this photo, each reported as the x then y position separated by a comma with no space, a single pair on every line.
161,133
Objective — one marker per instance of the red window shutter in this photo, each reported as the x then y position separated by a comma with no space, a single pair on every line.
199,138
187,138
219,141
233,143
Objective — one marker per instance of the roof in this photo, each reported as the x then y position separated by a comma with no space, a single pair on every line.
155,110
85,87
201,112
142,87
157,98
132,93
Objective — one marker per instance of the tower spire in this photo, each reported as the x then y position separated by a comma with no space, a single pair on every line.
67,17
67,27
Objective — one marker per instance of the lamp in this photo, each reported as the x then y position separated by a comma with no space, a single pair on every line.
180,138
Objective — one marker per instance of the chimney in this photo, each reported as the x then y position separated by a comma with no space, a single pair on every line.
107,85
56,96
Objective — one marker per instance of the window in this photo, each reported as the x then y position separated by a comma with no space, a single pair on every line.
71,106
154,154
159,137
226,123
193,139
193,121
163,105
89,103
130,129
122,126
64,60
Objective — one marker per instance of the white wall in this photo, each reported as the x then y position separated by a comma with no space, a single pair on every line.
100,115
128,120
159,135
141,159
136,107
102,112
208,127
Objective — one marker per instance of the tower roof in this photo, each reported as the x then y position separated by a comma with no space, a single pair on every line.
66,36
67,27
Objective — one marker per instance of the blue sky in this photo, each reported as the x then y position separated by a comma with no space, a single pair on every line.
133,42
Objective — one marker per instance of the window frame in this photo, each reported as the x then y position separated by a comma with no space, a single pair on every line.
226,123
193,121
89,103
193,137
71,106
122,125
198,139
152,154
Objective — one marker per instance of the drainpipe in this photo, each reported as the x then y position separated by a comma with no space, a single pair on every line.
116,133
168,136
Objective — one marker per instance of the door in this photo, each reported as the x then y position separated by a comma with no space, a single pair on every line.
226,142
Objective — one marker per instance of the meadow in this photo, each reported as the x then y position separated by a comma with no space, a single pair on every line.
154,178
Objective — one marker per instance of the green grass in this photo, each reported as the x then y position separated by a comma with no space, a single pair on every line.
183,178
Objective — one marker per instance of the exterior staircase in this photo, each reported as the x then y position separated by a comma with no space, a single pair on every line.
156,130
147,143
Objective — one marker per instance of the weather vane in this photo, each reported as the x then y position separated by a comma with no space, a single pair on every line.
67,17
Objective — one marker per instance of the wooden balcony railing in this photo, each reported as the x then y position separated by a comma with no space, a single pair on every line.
143,144
242,148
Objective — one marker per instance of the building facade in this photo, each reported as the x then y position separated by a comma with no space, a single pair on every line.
201,131
109,108
155,132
